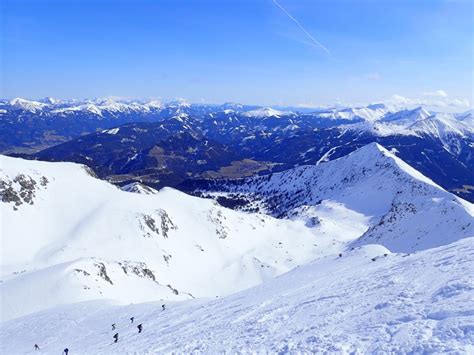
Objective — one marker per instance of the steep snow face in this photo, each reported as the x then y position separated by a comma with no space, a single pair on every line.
399,207
58,219
367,301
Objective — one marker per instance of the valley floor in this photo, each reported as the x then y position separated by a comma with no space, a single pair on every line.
361,302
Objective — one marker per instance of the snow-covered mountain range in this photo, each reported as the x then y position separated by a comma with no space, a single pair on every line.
152,110
165,144
99,107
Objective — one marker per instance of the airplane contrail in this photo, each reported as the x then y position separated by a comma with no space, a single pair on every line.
309,35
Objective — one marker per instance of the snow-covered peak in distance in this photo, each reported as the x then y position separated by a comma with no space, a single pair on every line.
100,106
447,128
179,103
409,116
443,124
88,107
51,101
370,113
266,112
232,106
392,203
113,105
154,104
27,105
419,122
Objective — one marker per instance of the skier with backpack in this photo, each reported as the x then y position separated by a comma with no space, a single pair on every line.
140,327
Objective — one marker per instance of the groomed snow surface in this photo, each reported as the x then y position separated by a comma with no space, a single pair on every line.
371,257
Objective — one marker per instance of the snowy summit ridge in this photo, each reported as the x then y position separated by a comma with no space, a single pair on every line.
385,196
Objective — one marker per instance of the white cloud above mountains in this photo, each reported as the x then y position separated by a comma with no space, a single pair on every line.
436,100
437,93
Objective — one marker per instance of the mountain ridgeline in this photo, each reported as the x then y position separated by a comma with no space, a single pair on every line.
181,144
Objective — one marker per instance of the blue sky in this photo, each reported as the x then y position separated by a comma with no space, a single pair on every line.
248,51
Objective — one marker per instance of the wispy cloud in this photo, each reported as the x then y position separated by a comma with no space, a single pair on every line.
313,41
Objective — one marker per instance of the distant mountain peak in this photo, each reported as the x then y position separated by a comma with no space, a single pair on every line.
27,105
154,104
50,101
179,103
370,113
407,115
232,106
266,112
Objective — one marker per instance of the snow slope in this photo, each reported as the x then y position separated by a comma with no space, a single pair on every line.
392,203
363,302
67,236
